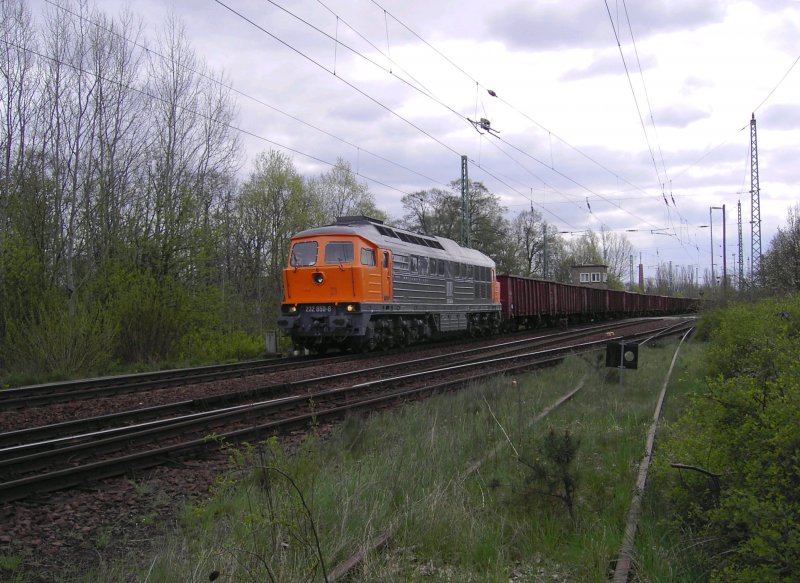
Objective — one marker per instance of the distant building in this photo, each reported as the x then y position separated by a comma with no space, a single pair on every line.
590,275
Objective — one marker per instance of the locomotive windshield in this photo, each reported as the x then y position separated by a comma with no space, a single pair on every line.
304,254
339,252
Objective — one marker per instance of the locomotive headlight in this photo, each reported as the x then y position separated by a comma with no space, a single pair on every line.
317,277
350,308
292,309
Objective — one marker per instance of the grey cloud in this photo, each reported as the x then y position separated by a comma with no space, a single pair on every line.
782,116
608,64
581,24
678,116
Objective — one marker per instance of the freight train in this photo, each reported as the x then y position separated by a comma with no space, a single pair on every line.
362,285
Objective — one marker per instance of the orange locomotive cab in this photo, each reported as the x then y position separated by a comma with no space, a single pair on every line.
329,281
334,269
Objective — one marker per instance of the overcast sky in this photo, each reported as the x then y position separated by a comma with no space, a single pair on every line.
573,134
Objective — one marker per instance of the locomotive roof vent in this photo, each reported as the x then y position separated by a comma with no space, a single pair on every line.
355,219
388,232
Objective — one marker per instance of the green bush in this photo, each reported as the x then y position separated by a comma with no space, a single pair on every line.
59,339
745,428
202,345
153,316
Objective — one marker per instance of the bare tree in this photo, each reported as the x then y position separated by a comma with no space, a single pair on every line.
617,250
782,260
430,212
17,89
120,141
191,141
272,206
537,244
341,194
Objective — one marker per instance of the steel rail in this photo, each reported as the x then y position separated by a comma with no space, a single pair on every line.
66,477
42,394
56,431
623,563
32,395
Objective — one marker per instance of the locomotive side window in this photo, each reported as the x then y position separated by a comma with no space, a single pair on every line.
441,266
304,254
339,252
433,266
414,264
423,265
399,262
368,257
386,259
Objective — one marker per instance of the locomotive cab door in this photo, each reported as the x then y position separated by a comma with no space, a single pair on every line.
386,274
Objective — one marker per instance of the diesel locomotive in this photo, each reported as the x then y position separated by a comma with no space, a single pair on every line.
361,285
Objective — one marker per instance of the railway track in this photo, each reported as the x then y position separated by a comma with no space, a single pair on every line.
44,459
30,438
45,394
110,386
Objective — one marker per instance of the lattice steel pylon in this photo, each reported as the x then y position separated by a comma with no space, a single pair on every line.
466,235
741,248
755,206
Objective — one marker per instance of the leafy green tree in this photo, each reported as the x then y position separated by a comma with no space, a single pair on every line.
438,212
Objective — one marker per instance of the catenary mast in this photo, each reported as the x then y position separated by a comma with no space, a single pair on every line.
755,206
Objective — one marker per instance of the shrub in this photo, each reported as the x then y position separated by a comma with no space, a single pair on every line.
552,472
59,338
744,427
153,316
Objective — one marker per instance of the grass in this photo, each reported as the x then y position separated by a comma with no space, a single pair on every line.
284,514
664,550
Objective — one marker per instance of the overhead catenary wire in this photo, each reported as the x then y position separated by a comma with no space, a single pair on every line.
426,93
635,99
646,93
318,64
551,167
283,146
491,92
499,97
262,138
326,69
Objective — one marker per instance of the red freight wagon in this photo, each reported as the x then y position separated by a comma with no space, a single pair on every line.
530,302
